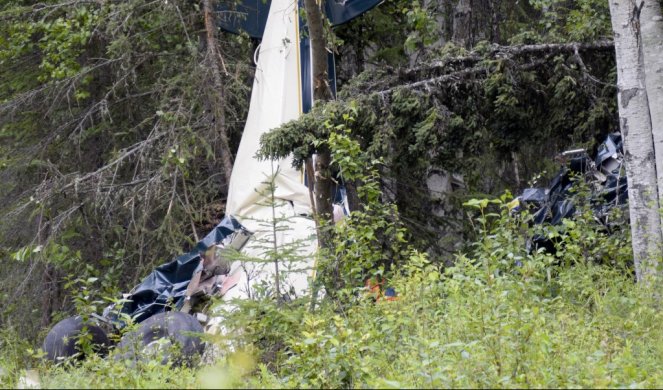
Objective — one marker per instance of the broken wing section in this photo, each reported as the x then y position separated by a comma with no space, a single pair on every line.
275,99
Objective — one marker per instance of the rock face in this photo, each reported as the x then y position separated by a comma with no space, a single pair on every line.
440,185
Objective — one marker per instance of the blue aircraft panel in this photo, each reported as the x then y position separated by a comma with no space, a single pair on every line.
250,16
343,11
247,16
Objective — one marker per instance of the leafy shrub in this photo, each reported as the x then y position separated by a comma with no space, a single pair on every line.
500,317
96,372
488,322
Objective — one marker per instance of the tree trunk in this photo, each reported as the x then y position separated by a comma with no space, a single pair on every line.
651,26
462,23
635,123
321,92
215,91
323,186
493,6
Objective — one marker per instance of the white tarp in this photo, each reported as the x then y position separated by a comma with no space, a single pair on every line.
275,99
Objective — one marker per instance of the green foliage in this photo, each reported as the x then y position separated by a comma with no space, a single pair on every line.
230,371
370,242
86,295
59,37
564,21
486,321
387,25
15,356
261,327
108,154
422,26
97,372
495,128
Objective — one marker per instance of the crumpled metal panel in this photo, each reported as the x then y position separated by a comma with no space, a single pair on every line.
610,148
535,195
554,204
166,285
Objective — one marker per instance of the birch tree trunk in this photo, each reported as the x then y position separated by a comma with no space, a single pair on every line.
651,28
636,127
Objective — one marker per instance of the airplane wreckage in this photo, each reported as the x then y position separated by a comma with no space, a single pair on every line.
163,303
166,305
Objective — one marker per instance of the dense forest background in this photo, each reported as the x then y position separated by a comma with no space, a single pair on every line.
119,121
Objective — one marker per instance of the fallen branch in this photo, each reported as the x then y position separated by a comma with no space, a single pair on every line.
499,52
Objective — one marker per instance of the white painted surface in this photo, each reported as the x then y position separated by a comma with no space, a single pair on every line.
275,99
651,29
635,123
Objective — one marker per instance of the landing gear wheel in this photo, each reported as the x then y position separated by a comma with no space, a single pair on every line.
170,336
60,343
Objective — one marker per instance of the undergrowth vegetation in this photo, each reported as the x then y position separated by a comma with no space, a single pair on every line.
501,316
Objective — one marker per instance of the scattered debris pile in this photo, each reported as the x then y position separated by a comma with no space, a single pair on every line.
607,182
164,304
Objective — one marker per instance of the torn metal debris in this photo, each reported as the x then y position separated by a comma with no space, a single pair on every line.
608,186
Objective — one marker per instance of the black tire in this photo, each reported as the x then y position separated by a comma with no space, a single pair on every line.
60,342
171,336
